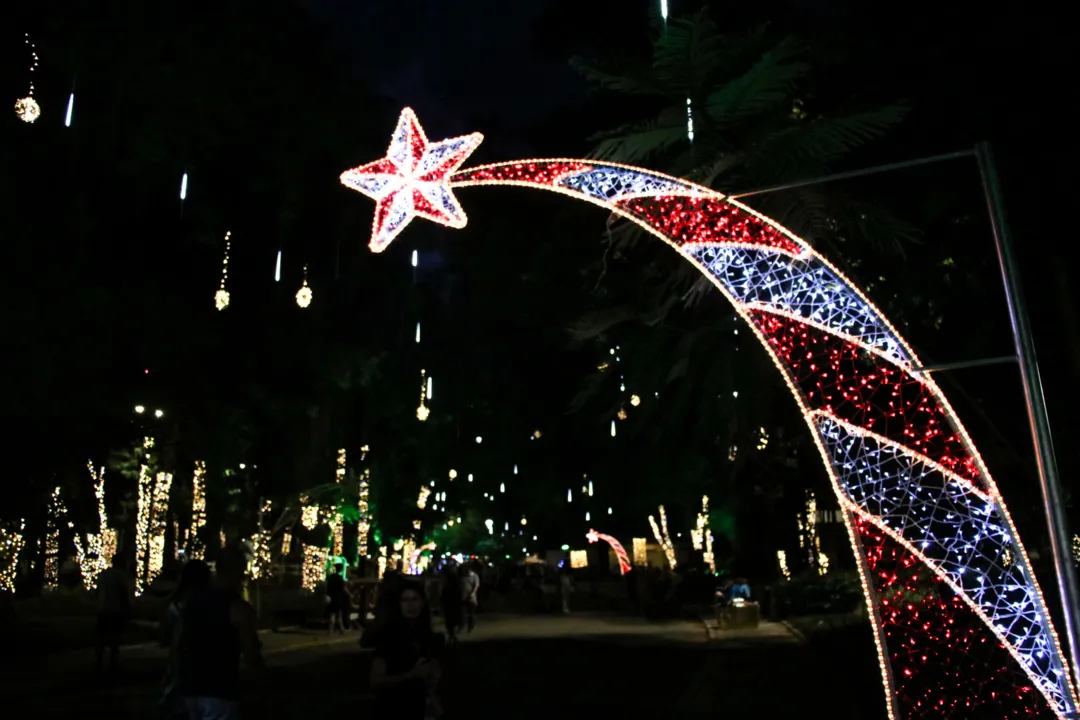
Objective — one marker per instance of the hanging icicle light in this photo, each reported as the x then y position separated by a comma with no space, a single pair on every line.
70,109
417,331
183,187
303,295
221,297
612,428
277,268
429,387
663,10
569,495
415,258
689,120
27,108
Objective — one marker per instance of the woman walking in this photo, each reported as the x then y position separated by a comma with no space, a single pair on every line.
194,577
452,602
405,669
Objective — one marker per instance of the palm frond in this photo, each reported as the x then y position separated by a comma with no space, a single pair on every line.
688,52
635,83
596,323
635,143
826,139
760,89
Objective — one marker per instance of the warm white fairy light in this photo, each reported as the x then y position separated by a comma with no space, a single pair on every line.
11,544
309,516
52,539
27,108
198,509
304,294
363,525
663,539
221,297
635,400
259,566
159,511
314,567
93,555
421,500
781,558
763,439
382,561
773,277
286,543
337,525
143,511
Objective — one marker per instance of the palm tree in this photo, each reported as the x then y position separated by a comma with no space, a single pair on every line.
754,124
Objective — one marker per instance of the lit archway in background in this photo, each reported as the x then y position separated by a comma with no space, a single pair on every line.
961,627
620,552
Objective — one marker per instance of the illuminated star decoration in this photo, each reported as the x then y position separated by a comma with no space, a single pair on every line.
412,180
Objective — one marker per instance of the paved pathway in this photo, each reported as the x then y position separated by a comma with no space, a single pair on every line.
582,666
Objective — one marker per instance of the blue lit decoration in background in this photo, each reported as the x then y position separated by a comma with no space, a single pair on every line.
961,625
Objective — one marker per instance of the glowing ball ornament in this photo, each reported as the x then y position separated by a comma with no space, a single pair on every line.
27,109
303,295
221,297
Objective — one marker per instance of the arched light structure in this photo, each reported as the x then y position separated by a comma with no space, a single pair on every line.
961,626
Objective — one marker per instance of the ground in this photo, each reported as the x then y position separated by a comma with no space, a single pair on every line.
582,666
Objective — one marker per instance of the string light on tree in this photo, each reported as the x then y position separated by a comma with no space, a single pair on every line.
27,108
259,566
303,295
781,558
221,297
158,523
363,524
11,544
198,509
52,539
880,424
663,539
313,567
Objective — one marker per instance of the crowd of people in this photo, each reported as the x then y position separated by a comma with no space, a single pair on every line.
209,626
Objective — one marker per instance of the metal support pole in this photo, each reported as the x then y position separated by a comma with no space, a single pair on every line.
964,365
1036,404
854,174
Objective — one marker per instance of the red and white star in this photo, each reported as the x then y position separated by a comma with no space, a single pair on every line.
412,180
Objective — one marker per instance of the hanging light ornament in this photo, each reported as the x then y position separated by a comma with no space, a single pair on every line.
27,108
423,412
221,297
303,295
